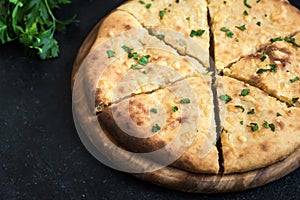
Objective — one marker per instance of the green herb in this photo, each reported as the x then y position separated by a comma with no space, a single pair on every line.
240,107
197,33
156,128
225,98
266,124
110,53
134,55
185,101
162,14
236,39
144,60
242,122
294,100
227,31
292,41
251,112
242,28
257,1
224,2
188,18
254,126
144,72
278,114
272,127
160,36
258,23
175,108
126,48
135,67
154,110
246,4
264,57
260,71
273,67
245,92
148,5
275,39
142,2
33,24
177,1
294,79
245,13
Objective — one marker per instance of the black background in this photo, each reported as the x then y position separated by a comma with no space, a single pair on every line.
41,156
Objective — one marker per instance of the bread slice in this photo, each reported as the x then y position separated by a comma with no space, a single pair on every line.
242,27
275,69
258,130
179,118
176,20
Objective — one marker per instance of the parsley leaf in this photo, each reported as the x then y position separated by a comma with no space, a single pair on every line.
154,110
197,33
294,79
227,31
144,60
225,98
258,23
148,5
242,28
185,101
294,100
292,41
240,107
156,128
242,122
135,67
266,124
276,39
162,14
134,55
254,127
110,53
278,114
175,108
251,112
33,24
160,36
246,4
126,48
245,92
272,127
264,57
245,13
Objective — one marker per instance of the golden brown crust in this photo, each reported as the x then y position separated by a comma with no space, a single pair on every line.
265,20
245,147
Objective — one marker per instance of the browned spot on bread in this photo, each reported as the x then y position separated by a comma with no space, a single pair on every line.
280,124
183,120
264,147
255,79
241,155
282,55
127,27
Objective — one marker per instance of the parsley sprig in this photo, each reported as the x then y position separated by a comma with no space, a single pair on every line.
33,24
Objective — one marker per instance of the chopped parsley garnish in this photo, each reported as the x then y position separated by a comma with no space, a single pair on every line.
197,33
110,53
175,108
225,98
258,23
135,67
292,41
188,18
127,49
266,124
257,1
144,60
160,36
236,39
242,28
245,92
144,72
240,107
245,13
264,57
185,101
224,2
278,114
142,2
272,127
148,5
154,110
177,1
276,39
227,31
134,55
294,100
246,4
260,71
251,112
273,67
162,14
242,122
294,79
156,128
254,126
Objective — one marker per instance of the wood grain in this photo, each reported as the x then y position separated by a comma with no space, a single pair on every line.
177,179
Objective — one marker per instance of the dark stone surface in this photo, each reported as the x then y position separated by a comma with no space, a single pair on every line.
41,156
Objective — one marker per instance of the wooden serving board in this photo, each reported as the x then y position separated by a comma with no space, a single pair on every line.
182,180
